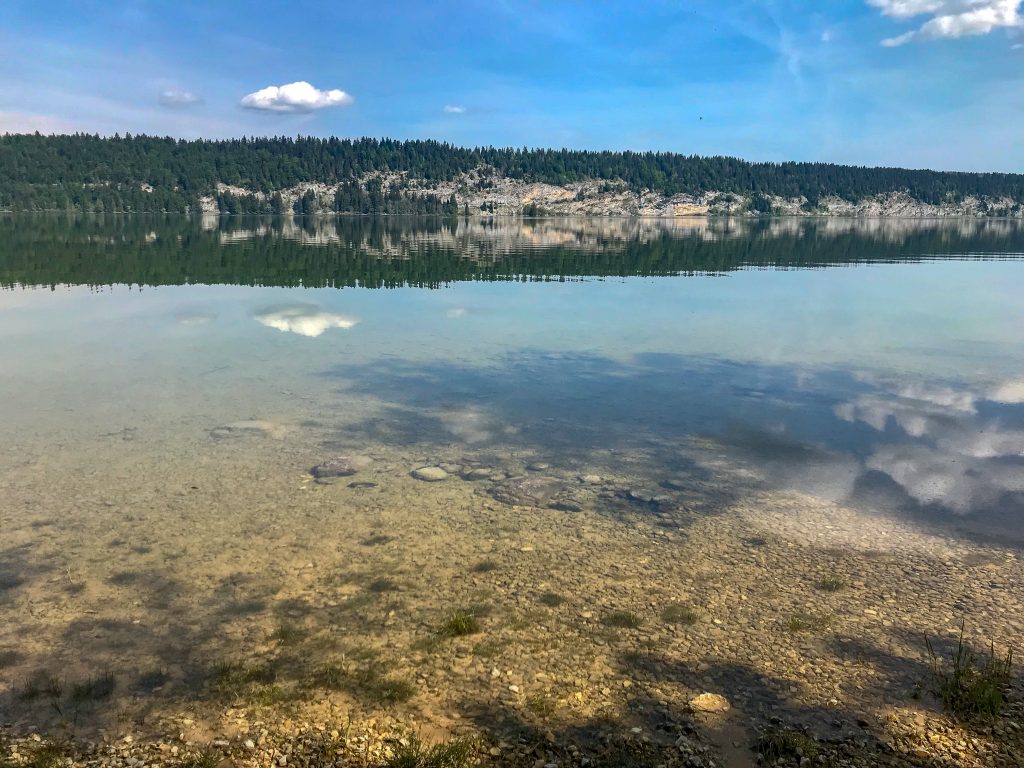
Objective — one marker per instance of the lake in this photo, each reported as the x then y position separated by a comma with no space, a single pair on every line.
760,459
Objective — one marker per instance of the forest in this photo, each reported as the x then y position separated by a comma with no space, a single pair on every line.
128,173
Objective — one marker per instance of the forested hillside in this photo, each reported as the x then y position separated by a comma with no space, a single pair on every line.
143,173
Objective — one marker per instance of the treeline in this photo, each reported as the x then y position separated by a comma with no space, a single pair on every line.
146,173
391,253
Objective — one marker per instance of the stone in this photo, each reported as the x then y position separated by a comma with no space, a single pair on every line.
591,479
430,474
709,702
478,473
538,466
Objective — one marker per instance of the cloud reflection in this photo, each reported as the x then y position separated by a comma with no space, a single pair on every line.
955,456
303,319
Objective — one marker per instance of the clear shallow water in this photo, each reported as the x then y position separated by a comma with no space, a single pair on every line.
900,365
835,386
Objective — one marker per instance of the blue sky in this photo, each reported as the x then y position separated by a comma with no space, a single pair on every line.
919,83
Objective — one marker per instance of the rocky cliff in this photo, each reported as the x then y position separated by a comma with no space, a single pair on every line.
485,192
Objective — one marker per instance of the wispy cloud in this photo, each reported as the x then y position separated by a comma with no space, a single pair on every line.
30,122
294,97
176,98
950,18
454,109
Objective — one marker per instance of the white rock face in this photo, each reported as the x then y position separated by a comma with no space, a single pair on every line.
484,192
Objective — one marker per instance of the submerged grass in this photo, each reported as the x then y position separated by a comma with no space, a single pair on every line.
204,758
461,623
94,689
369,683
551,599
412,752
287,633
679,614
9,657
383,585
254,684
830,584
41,683
806,622
778,743
968,686
46,755
622,620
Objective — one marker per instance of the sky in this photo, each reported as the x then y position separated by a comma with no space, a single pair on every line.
912,83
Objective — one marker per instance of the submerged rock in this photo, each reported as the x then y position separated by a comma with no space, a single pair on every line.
538,466
534,491
430,474
478,473
709,702
339,466
247,428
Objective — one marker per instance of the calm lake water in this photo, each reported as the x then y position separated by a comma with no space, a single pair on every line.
702,409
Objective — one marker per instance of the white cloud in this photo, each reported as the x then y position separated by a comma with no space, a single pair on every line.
294,97
455,313
950,18
303,319
454,109
176,98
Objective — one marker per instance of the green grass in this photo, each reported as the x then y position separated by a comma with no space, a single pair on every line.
679,614
551,599
830,584
777,743
411,752
968,686
806,622
94,689
461,623
622,620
